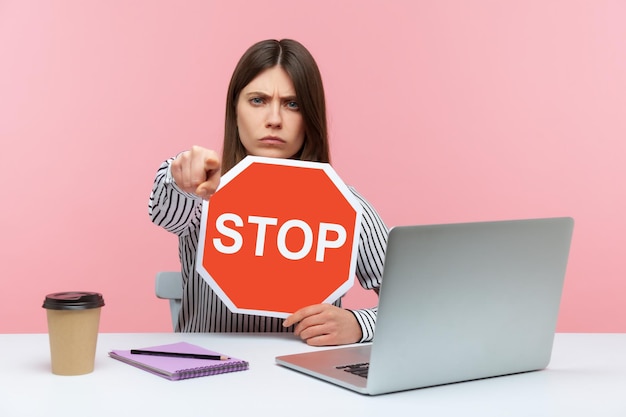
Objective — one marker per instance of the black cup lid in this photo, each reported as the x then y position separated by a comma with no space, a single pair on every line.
73,300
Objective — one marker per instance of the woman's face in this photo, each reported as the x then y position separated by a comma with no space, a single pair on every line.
268,116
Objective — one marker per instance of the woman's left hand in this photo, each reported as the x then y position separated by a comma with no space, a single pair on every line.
324,325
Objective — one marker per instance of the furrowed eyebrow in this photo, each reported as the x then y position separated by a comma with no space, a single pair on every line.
256,94
265,95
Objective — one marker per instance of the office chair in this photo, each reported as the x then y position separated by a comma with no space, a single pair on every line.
169,286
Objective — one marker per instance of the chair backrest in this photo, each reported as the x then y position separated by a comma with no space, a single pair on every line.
169,286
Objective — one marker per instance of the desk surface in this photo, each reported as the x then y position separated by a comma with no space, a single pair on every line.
587,376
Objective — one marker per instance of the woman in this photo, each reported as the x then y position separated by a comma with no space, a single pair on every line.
275,107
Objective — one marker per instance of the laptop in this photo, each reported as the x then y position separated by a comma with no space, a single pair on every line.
458,302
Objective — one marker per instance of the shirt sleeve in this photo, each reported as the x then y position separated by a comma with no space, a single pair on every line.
370,262
366,318
170,207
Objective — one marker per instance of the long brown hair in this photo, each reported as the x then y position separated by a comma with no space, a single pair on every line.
299,64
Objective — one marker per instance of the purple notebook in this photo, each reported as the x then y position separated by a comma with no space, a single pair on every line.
174,368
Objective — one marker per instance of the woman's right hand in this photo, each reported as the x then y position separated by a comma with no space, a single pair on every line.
197,171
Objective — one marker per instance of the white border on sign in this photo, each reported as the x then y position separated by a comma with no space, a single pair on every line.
236,170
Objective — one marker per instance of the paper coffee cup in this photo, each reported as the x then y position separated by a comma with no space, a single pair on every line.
73,321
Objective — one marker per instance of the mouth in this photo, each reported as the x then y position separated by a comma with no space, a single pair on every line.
272,140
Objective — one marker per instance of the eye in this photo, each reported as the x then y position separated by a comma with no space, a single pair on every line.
293,105
256,101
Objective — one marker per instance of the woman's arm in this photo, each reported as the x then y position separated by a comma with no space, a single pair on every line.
326,324
370,262
170,207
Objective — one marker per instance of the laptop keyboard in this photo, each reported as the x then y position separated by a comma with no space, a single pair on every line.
359,369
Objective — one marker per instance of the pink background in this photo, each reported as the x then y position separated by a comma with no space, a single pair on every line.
440,111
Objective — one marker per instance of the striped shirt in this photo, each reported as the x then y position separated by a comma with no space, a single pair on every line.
202,310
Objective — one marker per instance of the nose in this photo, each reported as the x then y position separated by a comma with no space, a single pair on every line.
274,116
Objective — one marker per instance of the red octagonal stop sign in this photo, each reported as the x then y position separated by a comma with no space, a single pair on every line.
279,235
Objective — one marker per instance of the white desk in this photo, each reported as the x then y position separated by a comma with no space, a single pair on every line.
587,377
